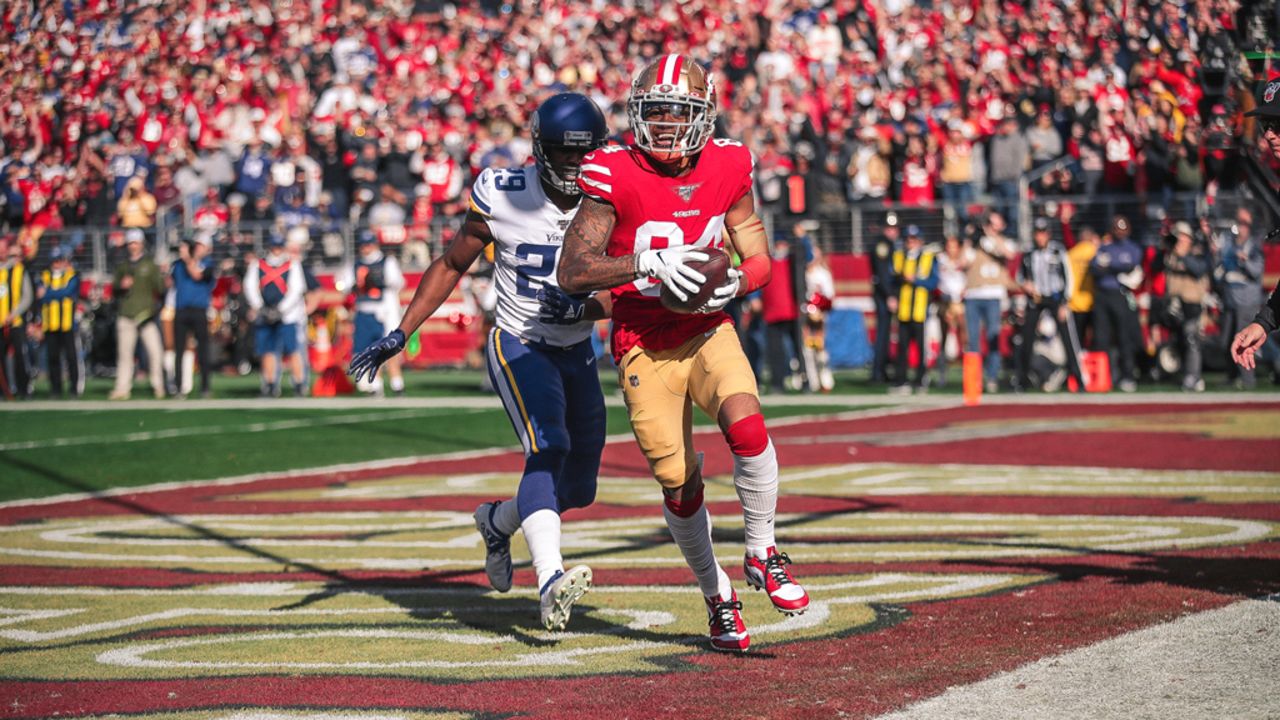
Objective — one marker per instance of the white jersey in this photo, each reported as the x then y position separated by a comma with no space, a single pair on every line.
528,233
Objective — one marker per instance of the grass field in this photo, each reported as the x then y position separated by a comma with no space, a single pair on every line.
452,382
48,452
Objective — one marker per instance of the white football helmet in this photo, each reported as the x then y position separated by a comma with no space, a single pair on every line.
672,108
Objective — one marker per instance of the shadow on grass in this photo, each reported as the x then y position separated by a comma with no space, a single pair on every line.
1246,576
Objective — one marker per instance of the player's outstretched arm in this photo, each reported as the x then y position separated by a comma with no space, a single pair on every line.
443,274
584,266
436,284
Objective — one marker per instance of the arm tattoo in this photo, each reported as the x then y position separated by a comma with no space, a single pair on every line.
583,263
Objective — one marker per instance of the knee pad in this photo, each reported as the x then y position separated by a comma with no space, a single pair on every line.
686,508
747,437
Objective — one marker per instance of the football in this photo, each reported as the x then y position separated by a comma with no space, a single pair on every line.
716,270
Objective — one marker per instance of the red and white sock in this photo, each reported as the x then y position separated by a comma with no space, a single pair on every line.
756,480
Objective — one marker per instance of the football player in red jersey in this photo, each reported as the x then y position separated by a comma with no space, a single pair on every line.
647,209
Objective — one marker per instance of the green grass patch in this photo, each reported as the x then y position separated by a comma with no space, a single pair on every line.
50,452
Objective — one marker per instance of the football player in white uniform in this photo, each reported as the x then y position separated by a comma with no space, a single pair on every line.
539,353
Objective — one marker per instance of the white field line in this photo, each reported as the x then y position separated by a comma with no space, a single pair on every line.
148,435
888,587
492,402
1216,664
406,461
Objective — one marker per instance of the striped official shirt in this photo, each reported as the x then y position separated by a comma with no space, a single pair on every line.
1048,270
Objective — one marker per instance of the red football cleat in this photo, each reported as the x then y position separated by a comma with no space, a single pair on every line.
771,575
728,632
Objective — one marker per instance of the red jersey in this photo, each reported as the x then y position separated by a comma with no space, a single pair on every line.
655,211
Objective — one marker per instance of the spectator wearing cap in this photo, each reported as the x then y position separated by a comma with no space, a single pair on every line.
59,294
987,286
1187,281
17,294
275,287
376,280
138,289
193,281
915,270
1115,312
1045,276
882,293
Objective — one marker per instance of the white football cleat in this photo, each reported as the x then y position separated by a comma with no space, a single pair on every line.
560,593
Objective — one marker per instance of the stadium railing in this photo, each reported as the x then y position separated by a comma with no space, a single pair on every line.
849,230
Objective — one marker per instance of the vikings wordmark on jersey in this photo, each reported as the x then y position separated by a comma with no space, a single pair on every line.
528,232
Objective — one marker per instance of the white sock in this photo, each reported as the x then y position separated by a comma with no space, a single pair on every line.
506,518
756,480
693,536
397,384
542,533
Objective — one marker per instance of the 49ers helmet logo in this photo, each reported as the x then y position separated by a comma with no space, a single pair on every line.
1270,92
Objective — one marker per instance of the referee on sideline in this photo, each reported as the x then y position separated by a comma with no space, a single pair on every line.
1045,277
1249,340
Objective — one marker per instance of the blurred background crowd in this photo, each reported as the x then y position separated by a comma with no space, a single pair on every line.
228,125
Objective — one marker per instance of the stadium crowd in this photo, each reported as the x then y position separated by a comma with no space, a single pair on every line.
299,119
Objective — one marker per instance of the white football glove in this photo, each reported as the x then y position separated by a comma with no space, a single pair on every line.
723,294
668,265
